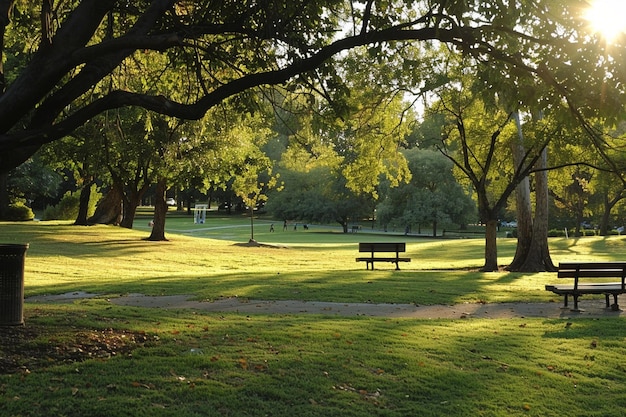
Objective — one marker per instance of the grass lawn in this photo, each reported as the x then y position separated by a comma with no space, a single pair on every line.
94,358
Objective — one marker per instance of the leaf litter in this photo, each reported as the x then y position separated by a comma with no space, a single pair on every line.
24,348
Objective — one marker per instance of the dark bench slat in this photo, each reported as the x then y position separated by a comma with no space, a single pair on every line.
591,273
592,265
382,247
378,259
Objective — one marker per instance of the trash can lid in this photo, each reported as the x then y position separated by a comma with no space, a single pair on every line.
13,248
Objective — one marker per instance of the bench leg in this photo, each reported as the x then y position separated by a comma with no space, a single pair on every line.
565,301
615,306
575,302
606,296
397,266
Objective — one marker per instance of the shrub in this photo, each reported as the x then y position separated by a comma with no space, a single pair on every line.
67,208
18,212
556,233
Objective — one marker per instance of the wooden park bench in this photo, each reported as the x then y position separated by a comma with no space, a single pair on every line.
385,247
586,271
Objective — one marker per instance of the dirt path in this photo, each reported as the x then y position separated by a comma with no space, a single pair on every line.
593,308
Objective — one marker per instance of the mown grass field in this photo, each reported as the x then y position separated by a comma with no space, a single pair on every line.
93,358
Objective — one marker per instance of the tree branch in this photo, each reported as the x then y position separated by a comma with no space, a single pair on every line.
44,134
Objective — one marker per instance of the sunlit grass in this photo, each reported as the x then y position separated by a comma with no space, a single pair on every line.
214,364
318,264
285,365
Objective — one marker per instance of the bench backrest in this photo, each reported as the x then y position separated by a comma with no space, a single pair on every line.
578,270
592,269
382,247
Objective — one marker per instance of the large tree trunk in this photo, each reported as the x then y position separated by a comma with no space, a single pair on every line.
160,212
538,258
130,209
83,204
491,247
132,200
608,205
109,209
522,203
524,224
532,253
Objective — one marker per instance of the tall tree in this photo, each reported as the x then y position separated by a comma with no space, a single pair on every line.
432,197
318,195
480,149
532,253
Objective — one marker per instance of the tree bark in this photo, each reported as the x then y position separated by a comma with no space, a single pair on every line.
109,209
523,206
131,202
491,247
83,204
608,205
538,258
160,212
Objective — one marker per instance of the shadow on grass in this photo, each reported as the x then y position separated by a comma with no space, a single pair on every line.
110,260
319,366
404,287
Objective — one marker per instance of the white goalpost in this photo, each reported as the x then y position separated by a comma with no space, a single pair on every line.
200,213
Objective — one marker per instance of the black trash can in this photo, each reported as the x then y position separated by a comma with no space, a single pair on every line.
12,284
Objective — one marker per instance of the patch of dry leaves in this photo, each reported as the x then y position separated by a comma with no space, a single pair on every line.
25,348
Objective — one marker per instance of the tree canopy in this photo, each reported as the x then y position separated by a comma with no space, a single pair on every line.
62,61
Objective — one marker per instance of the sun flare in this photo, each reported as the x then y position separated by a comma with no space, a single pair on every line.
607,18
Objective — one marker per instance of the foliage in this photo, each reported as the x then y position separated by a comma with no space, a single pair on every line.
34,181
222,50
67,208
318,195
18,211
433,195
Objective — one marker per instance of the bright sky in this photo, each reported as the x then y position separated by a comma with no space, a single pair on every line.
607,17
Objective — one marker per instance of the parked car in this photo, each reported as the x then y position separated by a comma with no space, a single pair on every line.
170,202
